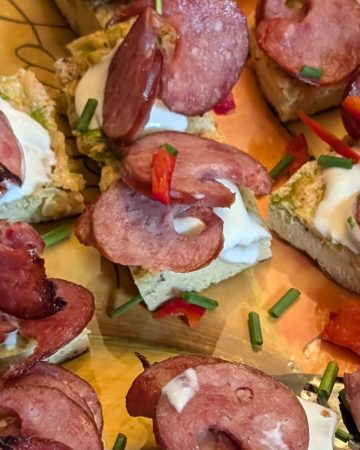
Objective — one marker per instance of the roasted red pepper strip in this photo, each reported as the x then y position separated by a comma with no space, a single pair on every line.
344,326
180,308
299,149
350,112
334,142
226,105
163,164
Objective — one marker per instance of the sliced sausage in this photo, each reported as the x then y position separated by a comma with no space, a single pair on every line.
352,389
211,47
312,35
30,443
133,80
29,294
76,384
199,162
47,413
253,409
11,155
145,390
357,209
131,229
54,332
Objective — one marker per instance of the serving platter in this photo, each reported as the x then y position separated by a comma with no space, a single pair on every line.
33,35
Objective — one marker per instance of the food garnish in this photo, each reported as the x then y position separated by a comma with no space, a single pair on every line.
335,161
351,221
284,303
158,6
335,143
120,442
279,168
57,235
226,105
126,306
255,332
196,299
180,308
87,115
342,435
327,382
163,164
311,72
299,149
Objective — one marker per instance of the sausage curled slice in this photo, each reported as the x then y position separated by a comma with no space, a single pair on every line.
133,80
47,413
250,407
11,155
54,332
199,162
352,389
131,229
28,294
30,443
312,35
145,390
210,49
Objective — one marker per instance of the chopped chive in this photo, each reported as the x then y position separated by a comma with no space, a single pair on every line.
311,72
158,6
335,161
57,235
199,300
327,382
255,332
284,162
343,400
126,306
87,115
284,303
170,149
120,442
351,221
342,435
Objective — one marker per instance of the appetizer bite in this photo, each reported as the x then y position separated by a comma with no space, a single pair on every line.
68,413
302,55
203,402
183,216
156,72
40,317
36,182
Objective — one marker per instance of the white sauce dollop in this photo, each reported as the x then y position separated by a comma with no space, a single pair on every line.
10,341
35,142
322,424
181,389
273,439
342,187
242,233
92,85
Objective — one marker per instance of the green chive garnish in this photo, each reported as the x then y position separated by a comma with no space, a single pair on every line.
284,303
57,235
255,332
120,442
170,149
158,6
351,221
126,306
311,72
284,162
199,300
343,400
334,161
342,435
87,115
327,382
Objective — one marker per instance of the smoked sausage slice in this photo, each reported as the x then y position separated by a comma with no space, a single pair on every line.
30,443
352,389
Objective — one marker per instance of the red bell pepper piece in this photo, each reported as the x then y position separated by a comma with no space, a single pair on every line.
334,142
350,113
343,327
299,149
180,308
225,105
163,164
